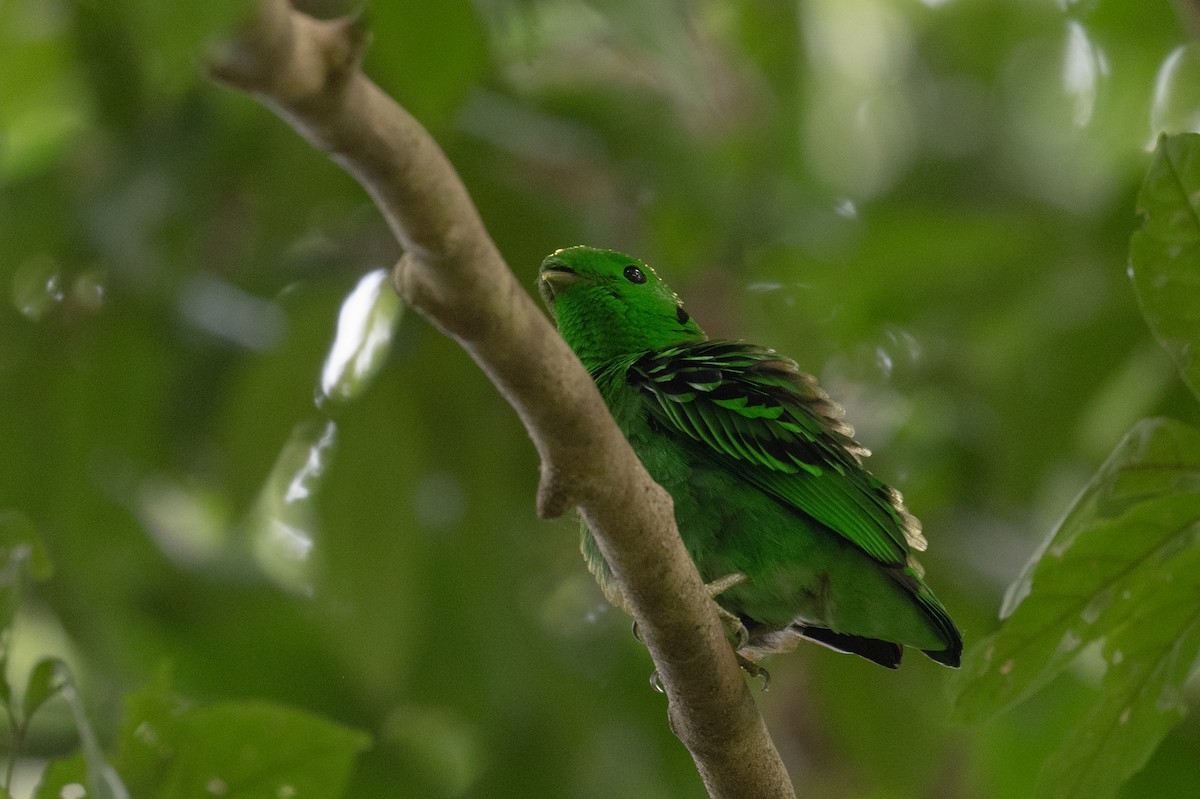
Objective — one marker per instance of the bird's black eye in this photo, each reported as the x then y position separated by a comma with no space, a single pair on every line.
682,315
634,275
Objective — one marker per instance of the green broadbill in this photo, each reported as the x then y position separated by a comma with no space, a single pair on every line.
795,537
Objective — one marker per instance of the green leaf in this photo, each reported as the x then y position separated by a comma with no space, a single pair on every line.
1164,254
43,100
232,750
60,775
144,744
21,554
366,326
1123,567
5,688
102,782
88,769
1141,700
258,750
45,681
21,546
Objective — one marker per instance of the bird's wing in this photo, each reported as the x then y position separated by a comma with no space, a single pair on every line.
754,410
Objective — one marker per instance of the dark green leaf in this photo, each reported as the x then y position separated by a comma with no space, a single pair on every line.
144,745
47,679
86,769
1164,254
101,778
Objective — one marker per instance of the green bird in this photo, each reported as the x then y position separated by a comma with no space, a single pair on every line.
795,538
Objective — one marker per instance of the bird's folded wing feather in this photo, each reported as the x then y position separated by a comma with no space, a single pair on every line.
753,409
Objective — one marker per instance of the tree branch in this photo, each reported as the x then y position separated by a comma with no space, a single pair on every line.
1189,15
307,71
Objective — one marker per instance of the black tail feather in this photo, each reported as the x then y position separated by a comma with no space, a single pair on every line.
947,657
885,653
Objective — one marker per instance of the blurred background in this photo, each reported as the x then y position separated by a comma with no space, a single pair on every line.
250,466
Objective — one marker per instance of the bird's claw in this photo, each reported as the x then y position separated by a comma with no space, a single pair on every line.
754,670
735,630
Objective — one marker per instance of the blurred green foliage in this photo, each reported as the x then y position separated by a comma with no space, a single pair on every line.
928,204
1116,584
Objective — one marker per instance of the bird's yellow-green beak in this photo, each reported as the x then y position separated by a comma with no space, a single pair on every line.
553,279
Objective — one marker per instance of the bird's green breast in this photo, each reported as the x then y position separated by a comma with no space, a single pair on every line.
726,524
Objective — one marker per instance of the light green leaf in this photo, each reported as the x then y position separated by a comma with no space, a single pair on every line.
1123,567
5,687
1164,254
21,554
284,519
366,325
258,750
43,105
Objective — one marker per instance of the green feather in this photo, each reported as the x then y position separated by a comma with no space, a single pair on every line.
844,498
767,479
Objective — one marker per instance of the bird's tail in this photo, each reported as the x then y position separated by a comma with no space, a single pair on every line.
885,653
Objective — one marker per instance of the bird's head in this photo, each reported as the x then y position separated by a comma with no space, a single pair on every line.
608,304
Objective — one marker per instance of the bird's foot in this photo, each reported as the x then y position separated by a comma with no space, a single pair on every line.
733,625
754,670
747,665
735,630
